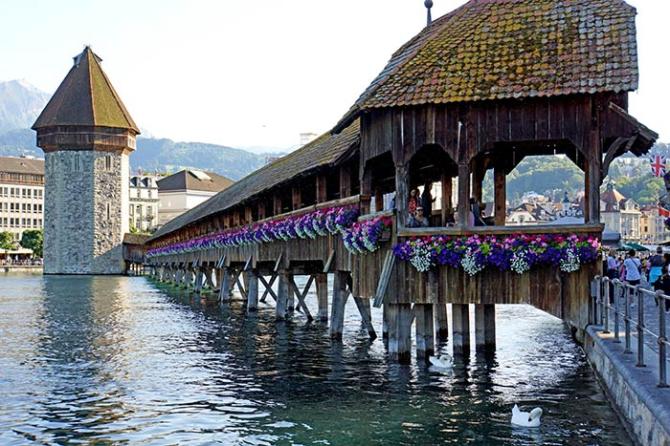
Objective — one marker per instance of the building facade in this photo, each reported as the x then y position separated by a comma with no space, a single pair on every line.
144,202
87,135
620,214
185,190
21,195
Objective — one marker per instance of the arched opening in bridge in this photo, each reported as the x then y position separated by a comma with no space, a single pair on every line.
534,184
431,179
381,170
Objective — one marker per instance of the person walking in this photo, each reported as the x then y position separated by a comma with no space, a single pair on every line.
656,263
663,284
632,269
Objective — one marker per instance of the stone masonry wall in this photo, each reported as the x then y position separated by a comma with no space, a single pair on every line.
84,212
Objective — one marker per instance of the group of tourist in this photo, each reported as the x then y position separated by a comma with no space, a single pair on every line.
650,270
420,209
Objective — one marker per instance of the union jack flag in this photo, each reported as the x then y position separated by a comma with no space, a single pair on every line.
657,165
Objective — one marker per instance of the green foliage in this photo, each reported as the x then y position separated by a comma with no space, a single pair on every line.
33,239
6,240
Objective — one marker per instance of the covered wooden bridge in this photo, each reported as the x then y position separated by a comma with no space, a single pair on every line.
477,90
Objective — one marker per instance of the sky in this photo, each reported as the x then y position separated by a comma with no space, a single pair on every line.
254,73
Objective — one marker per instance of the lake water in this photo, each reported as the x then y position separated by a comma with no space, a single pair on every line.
119,360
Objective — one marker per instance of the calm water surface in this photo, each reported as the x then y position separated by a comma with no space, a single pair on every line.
115,360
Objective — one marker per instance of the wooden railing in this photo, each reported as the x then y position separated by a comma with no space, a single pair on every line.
348,201
502,230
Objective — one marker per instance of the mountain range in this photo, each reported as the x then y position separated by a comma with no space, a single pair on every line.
20,103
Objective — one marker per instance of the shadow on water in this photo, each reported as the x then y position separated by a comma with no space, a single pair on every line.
115,360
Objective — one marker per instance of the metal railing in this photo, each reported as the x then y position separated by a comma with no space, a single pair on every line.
612,302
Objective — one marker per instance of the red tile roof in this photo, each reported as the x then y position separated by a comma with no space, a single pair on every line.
500,49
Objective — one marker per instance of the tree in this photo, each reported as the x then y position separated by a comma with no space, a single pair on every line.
6,240
33,239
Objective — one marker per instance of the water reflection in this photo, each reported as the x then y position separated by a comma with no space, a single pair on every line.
117,360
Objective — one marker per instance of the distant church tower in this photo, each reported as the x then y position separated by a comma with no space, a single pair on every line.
86,134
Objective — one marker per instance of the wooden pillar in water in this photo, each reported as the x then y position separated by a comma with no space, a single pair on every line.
461,327
340,296
485,326
226,285
322,296
282,295
400,336
500,195
385,323
290,301
436,295
365,309
252,291
425,330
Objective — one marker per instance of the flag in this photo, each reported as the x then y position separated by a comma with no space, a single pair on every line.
657,165
662,212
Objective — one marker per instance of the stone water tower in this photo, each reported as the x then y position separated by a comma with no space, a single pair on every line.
87,135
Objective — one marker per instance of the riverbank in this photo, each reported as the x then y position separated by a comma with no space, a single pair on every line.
632,390
24,269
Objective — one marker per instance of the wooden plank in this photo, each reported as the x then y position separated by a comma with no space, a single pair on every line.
366,317
329,262
384,279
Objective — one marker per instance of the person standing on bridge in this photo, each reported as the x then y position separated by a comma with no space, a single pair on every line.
632,269
656,263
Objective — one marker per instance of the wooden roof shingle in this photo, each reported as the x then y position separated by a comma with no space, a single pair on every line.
324,151
502,49
86,97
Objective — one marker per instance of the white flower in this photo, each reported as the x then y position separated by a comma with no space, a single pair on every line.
571,263
421,259
470,264
519,264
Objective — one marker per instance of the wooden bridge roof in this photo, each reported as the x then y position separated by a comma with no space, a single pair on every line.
86,97
326,150
502,49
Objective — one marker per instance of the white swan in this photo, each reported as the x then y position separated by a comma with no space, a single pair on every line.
443,362
526,419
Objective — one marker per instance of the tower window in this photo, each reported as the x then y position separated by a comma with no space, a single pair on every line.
77,163
108,162
108,211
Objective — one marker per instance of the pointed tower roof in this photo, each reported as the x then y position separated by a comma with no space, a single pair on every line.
86,98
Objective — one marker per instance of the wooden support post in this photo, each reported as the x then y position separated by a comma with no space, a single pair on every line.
252,291
248,215
460,314
199,280
379,200
425,330
296,198
321,189
364,308
345,181
592,198
290,302
209,278
400,336
500,195
463,194
226,285
276,205
282,295
485,326
366,191
385,323
402,193
340,296
322,296
261,210
436,296
478,174
446,203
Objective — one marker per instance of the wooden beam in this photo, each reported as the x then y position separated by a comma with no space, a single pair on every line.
252,291
500,195
268,287
322,296
402,193
340,296
321,189
296,198
345,181
384,279
301,296
463,194
329,262
446,204
366,317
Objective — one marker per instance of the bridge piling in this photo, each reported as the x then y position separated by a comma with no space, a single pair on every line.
485,326
252,291
460,318
425,330
340,296
400,336
226,285
322,296
281,310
